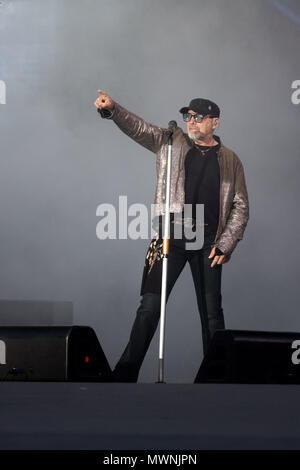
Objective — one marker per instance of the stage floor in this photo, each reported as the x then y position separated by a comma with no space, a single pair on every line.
68,416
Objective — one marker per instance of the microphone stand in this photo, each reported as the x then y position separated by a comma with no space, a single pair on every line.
166,239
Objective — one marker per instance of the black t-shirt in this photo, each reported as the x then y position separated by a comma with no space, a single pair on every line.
202,183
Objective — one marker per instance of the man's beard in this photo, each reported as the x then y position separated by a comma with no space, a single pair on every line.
194,135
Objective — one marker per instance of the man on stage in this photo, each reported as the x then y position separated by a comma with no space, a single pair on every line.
206,172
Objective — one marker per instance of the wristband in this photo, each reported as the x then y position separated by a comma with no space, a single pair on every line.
105,113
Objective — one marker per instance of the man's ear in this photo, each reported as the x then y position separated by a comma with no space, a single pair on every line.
216,122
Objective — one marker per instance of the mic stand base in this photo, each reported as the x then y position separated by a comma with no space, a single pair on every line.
160,373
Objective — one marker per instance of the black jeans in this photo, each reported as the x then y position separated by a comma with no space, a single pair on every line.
207,282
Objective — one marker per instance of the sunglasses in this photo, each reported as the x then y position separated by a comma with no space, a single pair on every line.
197,117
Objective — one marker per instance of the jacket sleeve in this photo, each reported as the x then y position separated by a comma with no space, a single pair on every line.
238,216
148,135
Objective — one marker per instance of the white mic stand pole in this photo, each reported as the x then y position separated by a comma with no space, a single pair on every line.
166,239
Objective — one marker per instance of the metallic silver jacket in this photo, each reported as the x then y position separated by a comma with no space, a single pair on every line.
234,206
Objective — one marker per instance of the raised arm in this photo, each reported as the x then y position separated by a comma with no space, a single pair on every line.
148,135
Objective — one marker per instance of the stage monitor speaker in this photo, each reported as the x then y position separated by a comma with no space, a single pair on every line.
58,353
251,357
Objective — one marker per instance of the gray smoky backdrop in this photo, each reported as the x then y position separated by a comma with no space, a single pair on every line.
60,160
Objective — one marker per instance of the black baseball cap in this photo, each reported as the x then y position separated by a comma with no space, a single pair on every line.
202,106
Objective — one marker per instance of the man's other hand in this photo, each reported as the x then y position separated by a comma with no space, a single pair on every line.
217,259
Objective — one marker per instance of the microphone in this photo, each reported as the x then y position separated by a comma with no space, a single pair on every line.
171,128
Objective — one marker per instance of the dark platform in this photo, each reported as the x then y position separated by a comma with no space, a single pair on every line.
148,416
